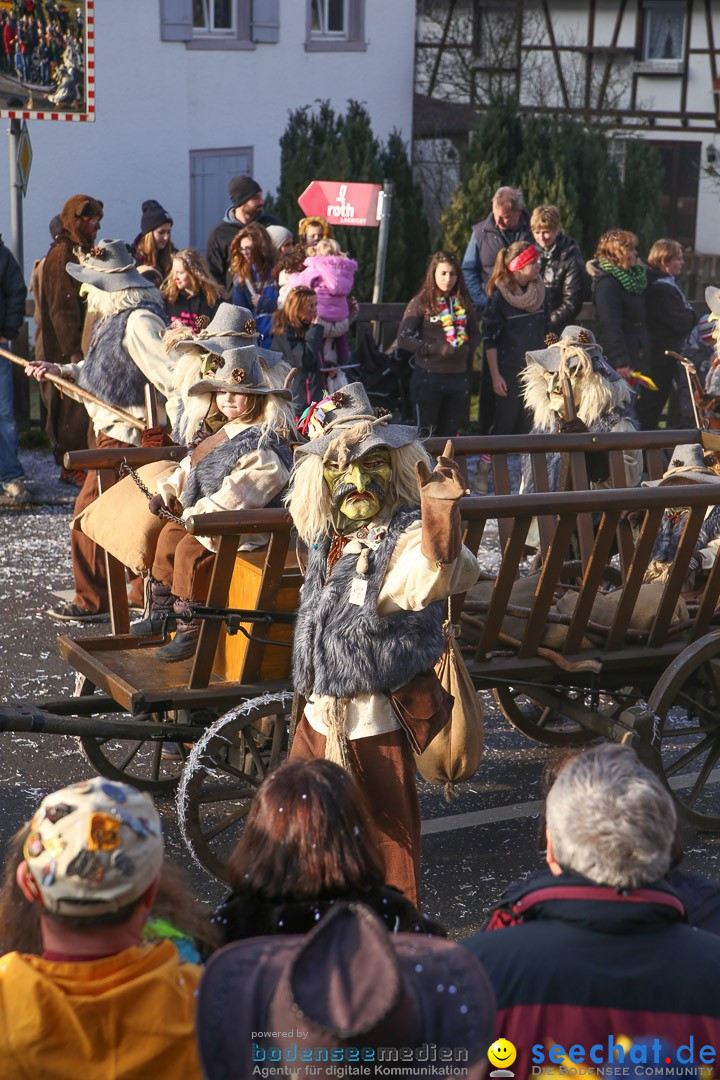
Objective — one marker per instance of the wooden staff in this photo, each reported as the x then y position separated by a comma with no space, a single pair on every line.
696,389
77,392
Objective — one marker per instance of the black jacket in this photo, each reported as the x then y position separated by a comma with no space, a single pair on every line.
621,321
241,917
562,269
512,331
13,292
219,241
669,316
579,971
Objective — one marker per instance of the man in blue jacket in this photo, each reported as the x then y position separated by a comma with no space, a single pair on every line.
246,208
12,315
593,964
507,222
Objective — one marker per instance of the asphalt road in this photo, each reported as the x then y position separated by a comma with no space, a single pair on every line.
471,848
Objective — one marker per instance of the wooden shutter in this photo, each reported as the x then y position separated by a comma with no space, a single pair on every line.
265,26
176,20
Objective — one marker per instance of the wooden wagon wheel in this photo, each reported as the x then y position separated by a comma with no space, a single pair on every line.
686,731
141,763
224,771
546,723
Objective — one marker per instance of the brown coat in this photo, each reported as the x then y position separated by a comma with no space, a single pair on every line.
62,313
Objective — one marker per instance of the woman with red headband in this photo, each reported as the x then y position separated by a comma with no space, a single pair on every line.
514,322
440,329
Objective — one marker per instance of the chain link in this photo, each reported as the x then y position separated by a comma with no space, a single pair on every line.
163,512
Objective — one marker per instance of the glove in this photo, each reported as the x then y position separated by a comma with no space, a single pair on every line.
156,504
597,462
573,427
155,436
440,491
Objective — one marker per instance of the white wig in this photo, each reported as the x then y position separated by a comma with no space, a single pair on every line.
599,396
110,303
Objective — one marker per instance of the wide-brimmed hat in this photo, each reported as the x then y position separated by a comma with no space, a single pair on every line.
574,342
687,466
237,371
94,847
352,408
108,266
347,985
231,326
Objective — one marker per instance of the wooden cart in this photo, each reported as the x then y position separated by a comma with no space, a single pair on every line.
227,712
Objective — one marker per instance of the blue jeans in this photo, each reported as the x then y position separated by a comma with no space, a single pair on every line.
10,467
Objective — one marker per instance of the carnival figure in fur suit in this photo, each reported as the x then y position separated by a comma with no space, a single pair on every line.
125,353
603,402
231,327
385,552
240,459
688,465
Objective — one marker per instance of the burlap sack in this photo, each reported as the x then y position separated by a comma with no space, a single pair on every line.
606,604
454,754
603,612
120,522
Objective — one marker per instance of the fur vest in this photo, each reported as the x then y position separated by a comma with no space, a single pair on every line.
670,532
109,371
342,649
603,424
207,476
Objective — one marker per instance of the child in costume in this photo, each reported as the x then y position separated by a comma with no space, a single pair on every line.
239,459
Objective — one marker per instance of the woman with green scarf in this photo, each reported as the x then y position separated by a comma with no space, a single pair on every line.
618,291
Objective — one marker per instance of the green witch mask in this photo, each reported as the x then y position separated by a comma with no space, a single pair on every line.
358,489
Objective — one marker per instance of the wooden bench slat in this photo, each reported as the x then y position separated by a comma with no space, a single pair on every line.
217,597
708,603
541,482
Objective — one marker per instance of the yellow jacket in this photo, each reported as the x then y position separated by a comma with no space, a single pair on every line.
127,1017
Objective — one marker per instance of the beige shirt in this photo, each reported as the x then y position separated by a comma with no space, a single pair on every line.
143,341
411,583
256,479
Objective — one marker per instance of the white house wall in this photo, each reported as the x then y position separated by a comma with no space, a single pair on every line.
157,101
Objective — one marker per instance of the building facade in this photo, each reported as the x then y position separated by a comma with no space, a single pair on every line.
639,68
192,92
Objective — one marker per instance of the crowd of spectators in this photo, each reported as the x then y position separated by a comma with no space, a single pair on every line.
37,37
104,947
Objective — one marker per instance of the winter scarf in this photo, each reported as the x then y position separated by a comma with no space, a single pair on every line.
109,371
633,279
528,299
207,476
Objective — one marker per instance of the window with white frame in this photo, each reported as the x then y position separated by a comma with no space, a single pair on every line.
664,30
214,17
329,19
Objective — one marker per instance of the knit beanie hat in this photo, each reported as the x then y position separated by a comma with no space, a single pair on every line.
153,216
242,188
279,235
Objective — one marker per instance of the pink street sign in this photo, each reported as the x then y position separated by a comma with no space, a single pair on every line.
342,204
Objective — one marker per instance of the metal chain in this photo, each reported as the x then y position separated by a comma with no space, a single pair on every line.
163,512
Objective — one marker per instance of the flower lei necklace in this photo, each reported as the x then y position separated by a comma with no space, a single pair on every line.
452,316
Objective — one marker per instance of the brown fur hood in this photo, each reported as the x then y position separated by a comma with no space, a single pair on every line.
76,207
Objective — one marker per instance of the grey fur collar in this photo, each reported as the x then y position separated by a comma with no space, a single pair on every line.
109,371
342,649
207,476
599,426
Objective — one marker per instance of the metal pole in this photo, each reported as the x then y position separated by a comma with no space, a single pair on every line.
386,197
16,196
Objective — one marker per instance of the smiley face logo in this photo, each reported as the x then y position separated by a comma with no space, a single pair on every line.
501,1054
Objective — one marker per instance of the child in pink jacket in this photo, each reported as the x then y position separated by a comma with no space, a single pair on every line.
331,274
